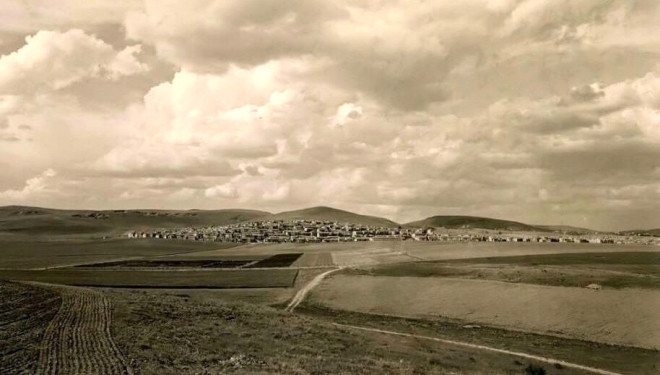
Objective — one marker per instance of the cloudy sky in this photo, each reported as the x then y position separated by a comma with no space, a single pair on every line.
542,111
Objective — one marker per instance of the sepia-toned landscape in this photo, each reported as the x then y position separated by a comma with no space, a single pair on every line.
105,301
340,187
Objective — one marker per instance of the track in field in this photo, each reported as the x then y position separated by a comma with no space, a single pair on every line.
77,341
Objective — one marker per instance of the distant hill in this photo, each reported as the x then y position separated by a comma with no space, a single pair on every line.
36,221
45,221
458,222
567,229
322,213
642,232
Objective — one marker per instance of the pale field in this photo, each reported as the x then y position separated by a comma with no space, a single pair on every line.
626,317
484,249
380,252
366,254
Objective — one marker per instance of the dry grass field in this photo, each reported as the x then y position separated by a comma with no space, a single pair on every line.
181,333
377,252
627,317
610,270
617,359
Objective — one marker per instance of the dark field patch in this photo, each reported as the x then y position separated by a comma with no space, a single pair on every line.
279,278
41,254
278,260
201,263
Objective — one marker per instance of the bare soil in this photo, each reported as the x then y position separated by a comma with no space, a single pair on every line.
25,312
78,339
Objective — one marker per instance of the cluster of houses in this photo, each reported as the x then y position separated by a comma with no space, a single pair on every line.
301,231
310,231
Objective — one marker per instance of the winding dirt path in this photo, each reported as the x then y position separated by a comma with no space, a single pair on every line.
548,360
304,291
78,341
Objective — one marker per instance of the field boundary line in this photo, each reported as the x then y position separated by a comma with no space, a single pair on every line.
548,360
302,293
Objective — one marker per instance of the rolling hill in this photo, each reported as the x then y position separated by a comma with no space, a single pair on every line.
566,229
322,213
458,222
642,232
21,220
36,221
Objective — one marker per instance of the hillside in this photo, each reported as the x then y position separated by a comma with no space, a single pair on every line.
458,222
566,229
642,232
322,213
17,220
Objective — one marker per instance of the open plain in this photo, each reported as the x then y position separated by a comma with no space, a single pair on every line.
417,307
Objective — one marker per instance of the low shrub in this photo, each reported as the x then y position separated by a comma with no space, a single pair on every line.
534,370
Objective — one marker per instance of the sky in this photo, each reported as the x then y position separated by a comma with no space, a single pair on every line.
546,112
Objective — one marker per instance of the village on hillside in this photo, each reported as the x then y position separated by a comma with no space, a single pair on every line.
315,231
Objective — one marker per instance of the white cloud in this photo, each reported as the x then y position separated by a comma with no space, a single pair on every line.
529,110
227,191
53,60
29,16
125,63
34,188
345,113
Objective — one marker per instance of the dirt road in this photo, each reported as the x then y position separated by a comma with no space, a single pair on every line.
551,361
302,293
77,341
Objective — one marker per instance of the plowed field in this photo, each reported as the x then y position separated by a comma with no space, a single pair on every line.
25,312
78,340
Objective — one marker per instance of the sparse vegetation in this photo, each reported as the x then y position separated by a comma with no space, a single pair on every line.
532,369
169,333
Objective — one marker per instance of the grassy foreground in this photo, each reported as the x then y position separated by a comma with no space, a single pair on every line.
172,333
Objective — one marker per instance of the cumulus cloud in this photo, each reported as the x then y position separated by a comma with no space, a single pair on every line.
345,113
34,188
33,15
53,60
522,109
221,191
